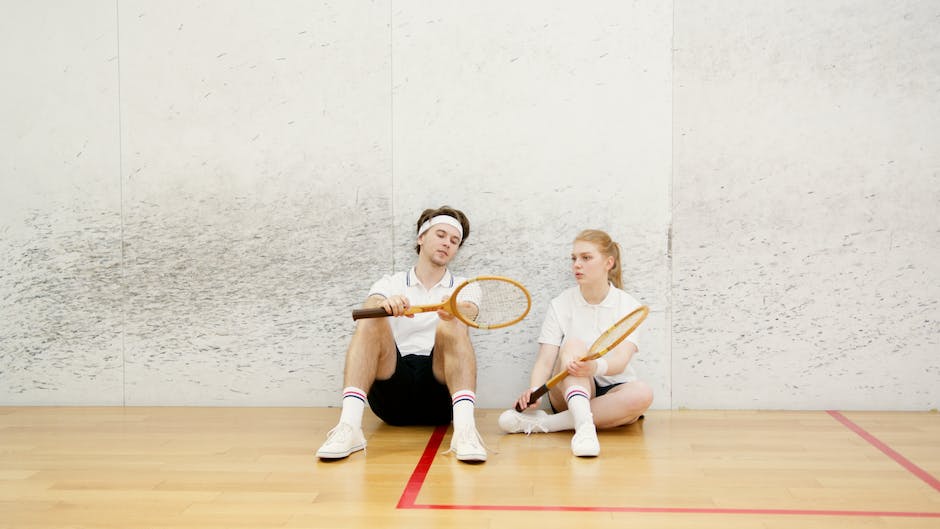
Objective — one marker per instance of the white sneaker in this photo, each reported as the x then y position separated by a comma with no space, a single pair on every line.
342,441
468,445
585,443
512,421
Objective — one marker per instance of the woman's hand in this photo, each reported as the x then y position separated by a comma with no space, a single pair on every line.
583,369
523,401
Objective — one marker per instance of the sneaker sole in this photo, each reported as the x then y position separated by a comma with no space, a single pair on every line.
589,455
340,455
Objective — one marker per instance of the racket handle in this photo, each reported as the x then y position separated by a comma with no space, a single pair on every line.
543,389
377,312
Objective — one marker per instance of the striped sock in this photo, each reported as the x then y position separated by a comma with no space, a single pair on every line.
579,403
557,422
354,403
464,402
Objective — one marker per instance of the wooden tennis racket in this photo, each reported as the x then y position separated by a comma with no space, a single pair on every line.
485,302
601,346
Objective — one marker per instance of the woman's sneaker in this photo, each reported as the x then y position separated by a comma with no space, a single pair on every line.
512,421
585,443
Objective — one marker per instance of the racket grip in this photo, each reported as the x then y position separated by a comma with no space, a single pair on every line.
376,312
543,389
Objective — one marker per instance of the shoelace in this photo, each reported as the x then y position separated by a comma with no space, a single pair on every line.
468,434
339,432
529,424
342,433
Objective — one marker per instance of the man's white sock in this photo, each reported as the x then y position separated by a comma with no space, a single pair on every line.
464,402
354,404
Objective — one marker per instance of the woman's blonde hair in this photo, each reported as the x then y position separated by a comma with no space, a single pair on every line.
608,248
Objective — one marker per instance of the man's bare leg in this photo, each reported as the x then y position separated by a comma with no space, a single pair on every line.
455,365
370,356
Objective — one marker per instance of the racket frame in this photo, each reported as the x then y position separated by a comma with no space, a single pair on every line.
450,305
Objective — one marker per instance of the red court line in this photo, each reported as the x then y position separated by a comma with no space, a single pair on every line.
410,494
678,510
407,500
888,451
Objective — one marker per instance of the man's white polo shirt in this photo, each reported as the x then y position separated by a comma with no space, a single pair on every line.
415,335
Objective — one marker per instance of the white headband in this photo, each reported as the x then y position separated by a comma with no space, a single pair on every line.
441,219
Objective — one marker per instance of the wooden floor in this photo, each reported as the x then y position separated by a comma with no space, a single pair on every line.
254,467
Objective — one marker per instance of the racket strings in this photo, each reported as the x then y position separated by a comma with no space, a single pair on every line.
618,332
497,302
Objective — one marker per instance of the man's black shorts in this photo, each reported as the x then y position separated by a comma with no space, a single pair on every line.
412,396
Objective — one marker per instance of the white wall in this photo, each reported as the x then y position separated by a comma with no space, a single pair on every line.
806,194
194,195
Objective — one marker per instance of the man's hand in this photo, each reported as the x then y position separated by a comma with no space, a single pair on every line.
396,306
